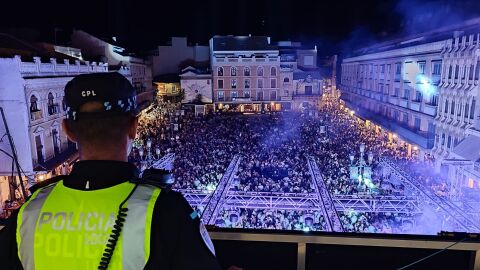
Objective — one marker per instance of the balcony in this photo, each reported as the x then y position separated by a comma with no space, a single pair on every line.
36,115
415,105
53,109
393,100
403,103
430,109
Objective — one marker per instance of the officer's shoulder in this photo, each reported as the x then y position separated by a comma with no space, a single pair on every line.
46,183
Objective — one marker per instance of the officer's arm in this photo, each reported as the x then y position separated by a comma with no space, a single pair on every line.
8,245
181,243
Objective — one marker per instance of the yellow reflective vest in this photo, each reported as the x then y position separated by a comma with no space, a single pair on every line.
64,228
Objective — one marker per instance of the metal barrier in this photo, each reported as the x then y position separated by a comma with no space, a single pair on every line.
354,240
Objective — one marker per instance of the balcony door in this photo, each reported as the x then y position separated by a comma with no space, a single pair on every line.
39,146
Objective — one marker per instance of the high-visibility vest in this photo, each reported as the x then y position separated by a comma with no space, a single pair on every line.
64,228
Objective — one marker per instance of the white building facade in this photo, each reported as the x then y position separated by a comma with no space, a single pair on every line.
427,94
397,89
31,95
197,85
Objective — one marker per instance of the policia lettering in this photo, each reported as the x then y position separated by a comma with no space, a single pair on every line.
60,226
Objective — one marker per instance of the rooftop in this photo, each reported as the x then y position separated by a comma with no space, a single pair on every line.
242,43
443,33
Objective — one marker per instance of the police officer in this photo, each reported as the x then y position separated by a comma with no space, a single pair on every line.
99,216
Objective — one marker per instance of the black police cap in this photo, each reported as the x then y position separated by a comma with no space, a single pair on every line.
111,89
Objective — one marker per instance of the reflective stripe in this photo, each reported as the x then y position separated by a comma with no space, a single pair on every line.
136,230
27,224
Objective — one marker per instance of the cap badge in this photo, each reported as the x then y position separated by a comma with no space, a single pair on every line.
88,93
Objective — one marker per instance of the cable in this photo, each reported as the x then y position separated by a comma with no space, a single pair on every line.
431,255
115,234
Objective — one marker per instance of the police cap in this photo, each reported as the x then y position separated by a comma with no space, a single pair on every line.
111,89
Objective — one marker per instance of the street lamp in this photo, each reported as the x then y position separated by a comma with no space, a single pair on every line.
147,157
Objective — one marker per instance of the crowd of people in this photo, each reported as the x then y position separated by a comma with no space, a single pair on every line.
271,219
274,149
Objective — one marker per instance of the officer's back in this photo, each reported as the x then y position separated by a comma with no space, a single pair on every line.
98,217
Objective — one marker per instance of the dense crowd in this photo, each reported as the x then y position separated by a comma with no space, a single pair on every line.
274,148
271,219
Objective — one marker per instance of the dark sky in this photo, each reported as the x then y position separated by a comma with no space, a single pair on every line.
332,25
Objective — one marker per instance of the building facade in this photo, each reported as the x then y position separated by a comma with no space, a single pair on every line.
397,88
197,85
246,73
31,95
170,58
425,89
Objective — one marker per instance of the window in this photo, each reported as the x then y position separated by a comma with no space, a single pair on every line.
457,70
233,71
466,110
273,83
446,106
477,70
470,72
308,89
406,93
418,96
220,71
443,139
221,96
233,83
247,83
234,94
33,104
450,72
436,67
397,92
220,84
246,94
398,68
472,109
388,68
452,107
382,69
246,71
421,67
52,108
259,95
273,95
273,71
434,100
449,141
286,80
260,83
260,71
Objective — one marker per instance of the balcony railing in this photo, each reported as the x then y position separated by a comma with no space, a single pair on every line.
36,115
53,109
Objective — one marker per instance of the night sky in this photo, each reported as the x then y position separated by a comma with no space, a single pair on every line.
334,26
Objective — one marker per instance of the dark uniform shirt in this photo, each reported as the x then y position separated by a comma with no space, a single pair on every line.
176,241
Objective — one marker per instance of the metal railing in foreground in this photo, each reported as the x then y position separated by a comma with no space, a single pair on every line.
346,239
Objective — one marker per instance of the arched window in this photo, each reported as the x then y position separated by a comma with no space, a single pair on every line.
233,71
220,71
52,108
246,71
33,104
273,71
260,71
286,80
